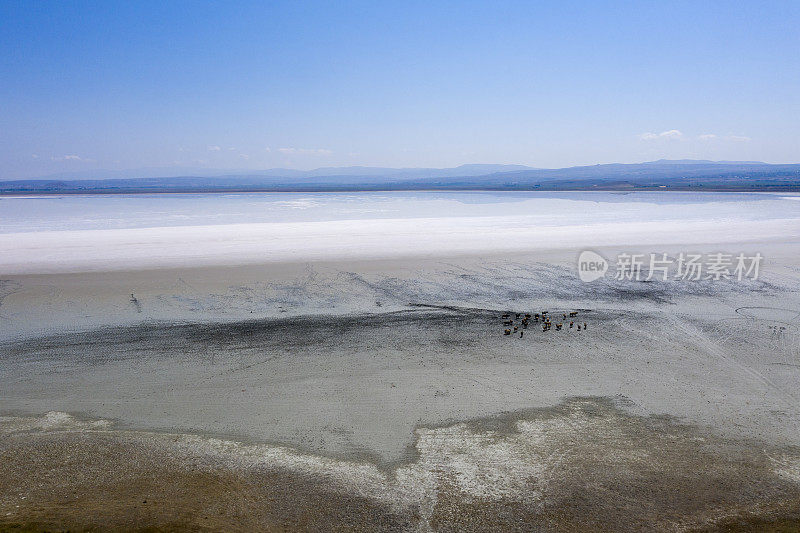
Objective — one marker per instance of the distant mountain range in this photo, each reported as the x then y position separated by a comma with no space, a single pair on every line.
654,175
176,172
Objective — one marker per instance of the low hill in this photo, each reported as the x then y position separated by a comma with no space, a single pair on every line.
655,175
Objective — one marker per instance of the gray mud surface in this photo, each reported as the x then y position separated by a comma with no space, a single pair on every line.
391,400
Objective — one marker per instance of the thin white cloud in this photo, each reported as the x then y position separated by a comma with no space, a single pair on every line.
244,156
669,134
305,151
35,156
731,138
214,148
72,157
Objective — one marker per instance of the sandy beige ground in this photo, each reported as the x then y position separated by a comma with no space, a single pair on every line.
584,465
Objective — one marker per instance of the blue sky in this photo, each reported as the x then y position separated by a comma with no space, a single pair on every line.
88,85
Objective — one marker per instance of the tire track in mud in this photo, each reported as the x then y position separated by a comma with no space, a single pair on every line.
714,350
7,288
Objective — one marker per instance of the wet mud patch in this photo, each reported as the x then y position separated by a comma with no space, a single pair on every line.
275,335
583,465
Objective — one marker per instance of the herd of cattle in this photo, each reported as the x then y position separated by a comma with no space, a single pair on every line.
543,317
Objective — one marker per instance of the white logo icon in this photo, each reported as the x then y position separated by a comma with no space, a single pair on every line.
591,266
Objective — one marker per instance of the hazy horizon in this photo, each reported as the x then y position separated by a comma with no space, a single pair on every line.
470,169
